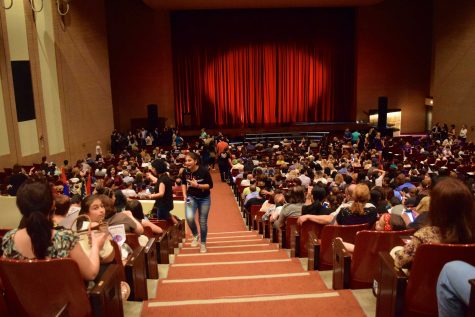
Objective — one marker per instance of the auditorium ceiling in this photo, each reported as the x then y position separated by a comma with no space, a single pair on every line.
245,4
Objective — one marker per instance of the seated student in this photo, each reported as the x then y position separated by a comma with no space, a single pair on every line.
73,212
246,191
129,191
453,289
420,215
108,212
125,217
387,222
36,238
16,179
137,211
295,198
61,207
360,211
273,213
256,199
451,220
330,219
316,207
253,193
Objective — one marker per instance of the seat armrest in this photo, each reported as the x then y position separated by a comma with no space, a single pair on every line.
135,272
391,286
341,265
295,241
150,251
282,232
313,246
162,248
471,303
274,238
105,297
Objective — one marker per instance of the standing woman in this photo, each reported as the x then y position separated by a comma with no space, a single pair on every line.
163,193
225,164
196,192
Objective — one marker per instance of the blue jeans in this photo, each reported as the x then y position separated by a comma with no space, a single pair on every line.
202,204
453,289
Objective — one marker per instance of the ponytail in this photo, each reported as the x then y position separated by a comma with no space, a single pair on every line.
39,227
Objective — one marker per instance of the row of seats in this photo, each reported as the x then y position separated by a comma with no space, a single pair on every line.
370,265
34,287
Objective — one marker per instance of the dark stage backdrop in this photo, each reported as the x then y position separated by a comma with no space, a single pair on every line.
235,68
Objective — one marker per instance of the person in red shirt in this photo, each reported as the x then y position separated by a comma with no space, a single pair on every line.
221,146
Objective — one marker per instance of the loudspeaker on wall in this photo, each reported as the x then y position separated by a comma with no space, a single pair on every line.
382,112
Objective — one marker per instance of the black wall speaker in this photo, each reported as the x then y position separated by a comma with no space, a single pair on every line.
152,116
382,112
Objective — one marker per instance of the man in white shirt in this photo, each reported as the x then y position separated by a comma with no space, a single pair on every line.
129,191
305,179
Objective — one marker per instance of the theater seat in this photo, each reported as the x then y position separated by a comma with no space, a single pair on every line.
285,232
471,303
133,272
56,288
299,238
150,252
401,295
320,251
252,215
357,270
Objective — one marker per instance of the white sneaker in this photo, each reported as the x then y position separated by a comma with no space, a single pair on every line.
194,242
203,248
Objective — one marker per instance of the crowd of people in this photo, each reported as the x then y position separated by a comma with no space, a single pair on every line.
425,183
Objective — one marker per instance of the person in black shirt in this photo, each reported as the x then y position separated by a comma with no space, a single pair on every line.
196,192
225,164
317,207
16,179
163,194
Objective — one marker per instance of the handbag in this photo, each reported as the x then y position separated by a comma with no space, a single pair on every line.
84,235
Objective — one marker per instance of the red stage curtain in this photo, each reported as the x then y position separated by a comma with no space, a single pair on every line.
248,80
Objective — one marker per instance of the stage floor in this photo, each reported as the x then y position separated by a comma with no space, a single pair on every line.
332,127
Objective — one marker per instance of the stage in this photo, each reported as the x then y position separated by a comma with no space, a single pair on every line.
240,133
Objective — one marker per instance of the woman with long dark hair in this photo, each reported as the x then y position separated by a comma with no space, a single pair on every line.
451,219
196,191
36,238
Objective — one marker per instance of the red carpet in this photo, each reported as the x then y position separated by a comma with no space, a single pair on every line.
242,275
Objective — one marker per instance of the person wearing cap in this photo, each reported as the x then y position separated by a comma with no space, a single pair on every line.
163,193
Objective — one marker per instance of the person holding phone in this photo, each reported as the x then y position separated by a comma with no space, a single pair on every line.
196,192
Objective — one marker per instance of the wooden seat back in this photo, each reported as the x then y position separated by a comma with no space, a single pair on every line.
150,251
286,231
133,271
329,232
368,244
305,229
3,303
44,288
253,218
357,270
234,172
420,297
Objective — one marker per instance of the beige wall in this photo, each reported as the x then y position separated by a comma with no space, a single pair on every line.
393,58
453,80
82,66
141,61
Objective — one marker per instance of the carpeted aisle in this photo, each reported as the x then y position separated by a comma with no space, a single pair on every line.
242,274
